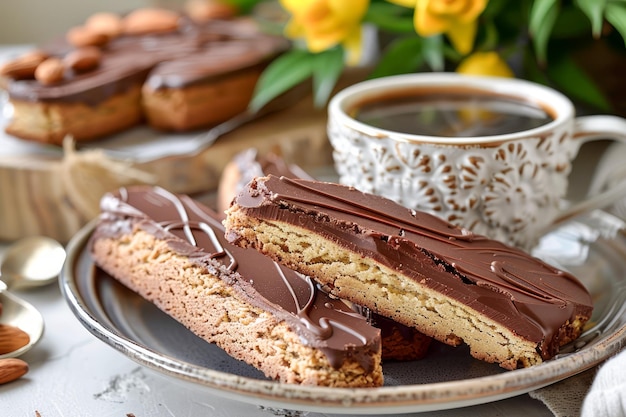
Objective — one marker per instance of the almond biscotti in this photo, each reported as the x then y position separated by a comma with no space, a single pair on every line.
171,250
508,307
399,342
154,65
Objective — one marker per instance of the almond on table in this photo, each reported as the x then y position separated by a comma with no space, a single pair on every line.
12,369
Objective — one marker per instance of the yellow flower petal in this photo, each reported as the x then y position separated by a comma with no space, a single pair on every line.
317,12
485,63
455,18
349,10
293,29
462,36
428,24
323,24
292,5
446,7
321,42
353,47
472,10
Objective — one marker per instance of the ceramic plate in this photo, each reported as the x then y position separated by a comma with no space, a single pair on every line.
592,247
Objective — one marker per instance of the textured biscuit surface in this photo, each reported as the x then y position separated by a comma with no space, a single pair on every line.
51,122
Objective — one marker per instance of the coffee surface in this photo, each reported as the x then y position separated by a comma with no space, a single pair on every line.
449,114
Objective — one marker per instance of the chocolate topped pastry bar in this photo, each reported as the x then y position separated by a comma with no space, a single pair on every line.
458,287
399,342
171,250
248,164
114,72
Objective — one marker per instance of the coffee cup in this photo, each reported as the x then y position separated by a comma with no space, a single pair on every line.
492,155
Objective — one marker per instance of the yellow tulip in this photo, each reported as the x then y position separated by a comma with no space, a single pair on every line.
455,18
485,63
323,24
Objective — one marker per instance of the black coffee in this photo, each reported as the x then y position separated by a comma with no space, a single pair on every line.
447,114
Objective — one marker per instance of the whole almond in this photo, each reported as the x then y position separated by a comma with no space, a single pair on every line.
50,71
104,22
203,10
12,338
83,59
12,369
150,20
80,36
24,66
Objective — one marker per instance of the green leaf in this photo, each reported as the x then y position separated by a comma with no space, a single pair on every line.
432,51
594,9
283,73
494,8
573,81
571,23
543,15
327,67
616,16
390,18
539,12
491,37
402,56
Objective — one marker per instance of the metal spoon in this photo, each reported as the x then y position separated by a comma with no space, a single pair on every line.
31,262
21,314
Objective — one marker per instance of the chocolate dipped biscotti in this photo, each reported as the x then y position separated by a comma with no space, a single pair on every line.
171,250
151,65
457,287
399,342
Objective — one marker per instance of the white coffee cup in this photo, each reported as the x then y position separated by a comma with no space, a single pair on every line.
509,184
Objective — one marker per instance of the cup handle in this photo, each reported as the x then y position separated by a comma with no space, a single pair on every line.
587,129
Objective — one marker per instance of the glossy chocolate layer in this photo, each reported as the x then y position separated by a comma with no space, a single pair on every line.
250,164
524,294
192,54
195,231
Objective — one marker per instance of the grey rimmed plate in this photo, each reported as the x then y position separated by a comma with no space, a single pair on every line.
592,247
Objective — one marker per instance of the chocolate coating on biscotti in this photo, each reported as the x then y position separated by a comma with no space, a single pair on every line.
523,294
399,342
248,164
194,231
192,54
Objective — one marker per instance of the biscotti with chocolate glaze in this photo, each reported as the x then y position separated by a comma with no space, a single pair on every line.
507,306
187,76
247,165
399,342
171,250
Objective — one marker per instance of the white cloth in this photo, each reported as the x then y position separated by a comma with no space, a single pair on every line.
607,395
